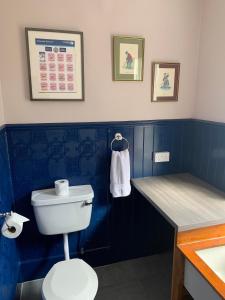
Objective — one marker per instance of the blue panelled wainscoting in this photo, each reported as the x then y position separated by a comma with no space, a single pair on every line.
205,151
9,260
120,228
41,154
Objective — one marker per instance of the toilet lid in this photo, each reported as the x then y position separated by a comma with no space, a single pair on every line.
70,280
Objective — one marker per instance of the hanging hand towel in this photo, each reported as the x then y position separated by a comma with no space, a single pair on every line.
120,174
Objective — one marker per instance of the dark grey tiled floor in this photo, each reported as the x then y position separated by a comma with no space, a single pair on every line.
145,278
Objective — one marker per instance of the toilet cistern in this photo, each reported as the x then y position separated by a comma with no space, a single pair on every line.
63,214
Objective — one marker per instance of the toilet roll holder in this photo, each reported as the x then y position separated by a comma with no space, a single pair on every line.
5,215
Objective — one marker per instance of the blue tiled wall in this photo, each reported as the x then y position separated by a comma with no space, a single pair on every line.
9,261
40,154
120,228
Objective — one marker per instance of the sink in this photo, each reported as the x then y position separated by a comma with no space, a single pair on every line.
215,259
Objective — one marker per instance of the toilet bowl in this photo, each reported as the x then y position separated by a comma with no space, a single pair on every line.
70,280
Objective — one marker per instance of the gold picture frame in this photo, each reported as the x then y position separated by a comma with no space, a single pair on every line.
128,58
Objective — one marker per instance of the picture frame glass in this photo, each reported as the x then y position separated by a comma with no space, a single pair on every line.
165,81
128,58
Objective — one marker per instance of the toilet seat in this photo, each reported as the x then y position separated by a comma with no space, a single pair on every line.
70,280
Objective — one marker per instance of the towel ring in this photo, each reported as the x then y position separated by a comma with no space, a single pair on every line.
119,137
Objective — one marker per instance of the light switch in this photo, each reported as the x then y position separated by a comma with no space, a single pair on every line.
161,157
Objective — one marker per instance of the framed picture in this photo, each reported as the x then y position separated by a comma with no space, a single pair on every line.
128,58
165,81
55,64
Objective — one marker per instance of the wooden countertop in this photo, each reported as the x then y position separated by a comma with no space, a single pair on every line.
184,200
189,242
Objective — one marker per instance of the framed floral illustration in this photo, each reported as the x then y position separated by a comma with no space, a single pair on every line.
128,58
55,64
165,81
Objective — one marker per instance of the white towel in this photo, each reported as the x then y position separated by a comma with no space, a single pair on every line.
120,174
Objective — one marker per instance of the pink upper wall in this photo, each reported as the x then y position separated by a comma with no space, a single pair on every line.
171,29
210,104
2,118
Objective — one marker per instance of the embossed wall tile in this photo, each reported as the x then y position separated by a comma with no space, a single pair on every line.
9,260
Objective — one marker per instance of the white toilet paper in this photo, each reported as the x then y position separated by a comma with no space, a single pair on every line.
13,225
62,187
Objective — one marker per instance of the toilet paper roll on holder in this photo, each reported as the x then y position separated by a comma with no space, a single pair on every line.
4,216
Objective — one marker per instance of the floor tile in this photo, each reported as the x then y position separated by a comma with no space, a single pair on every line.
31,290
130,291
146,278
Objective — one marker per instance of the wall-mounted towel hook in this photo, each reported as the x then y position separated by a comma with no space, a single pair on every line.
119,137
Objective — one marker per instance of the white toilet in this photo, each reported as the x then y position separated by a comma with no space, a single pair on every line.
71,279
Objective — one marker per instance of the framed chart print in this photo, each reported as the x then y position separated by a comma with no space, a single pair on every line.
55,62
165,81
128,58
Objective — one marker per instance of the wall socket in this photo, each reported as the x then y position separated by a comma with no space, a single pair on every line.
159,157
